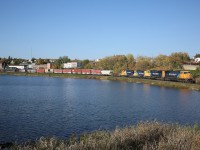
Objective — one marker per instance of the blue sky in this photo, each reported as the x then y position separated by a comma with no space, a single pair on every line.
90,29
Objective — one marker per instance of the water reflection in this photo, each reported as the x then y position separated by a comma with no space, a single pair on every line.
31,107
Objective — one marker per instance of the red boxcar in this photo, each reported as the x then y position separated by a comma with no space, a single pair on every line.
67,71
57,71
86,71
76,71
96,72
40,70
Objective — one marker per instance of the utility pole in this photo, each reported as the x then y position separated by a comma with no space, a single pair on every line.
31,53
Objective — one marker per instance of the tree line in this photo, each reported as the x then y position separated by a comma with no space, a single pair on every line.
117,63
160,62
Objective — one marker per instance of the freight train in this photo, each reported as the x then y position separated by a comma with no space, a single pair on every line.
179,76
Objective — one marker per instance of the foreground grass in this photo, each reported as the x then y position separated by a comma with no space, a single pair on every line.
143,136
122,79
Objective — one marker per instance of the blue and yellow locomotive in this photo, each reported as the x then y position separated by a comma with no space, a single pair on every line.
169,75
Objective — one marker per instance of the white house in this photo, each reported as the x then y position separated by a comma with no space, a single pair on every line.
72,65
197,60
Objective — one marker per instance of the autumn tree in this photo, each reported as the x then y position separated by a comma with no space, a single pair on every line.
117,63
161,62
130,61
144,63
177,59
40,61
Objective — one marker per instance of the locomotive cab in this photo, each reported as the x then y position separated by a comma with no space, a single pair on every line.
185,75
127,73
147,73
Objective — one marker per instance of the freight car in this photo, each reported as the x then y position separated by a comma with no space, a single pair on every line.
40,70
106,72
86,71
69,71
57,71
95,72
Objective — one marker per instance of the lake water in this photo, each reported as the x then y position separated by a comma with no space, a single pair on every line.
31,107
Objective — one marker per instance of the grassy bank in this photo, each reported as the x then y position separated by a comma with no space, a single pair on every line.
143,136
122,79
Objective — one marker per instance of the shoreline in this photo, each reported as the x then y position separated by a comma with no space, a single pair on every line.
143,135
168,84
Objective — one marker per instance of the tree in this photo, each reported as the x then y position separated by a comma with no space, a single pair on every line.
197,56
17,61
85,63
9,59
40,61
33,59
117,63
4,65
130,61
161,62
144,63
64,59
58,64
177,59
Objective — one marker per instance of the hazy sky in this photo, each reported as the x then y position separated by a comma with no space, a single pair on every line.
90,29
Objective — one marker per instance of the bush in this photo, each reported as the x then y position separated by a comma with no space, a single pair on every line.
144,136
198,80
196,73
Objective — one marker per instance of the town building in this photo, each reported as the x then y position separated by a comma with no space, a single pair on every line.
191,66
72,65
41,66
197,60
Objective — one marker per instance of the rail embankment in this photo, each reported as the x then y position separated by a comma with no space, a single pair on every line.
169,84
143,136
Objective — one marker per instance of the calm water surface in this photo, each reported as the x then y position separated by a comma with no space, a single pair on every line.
31,107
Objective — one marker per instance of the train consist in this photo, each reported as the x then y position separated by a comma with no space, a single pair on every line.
179,76
64,71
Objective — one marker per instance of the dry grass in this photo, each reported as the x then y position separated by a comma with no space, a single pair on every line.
143,136
198,80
